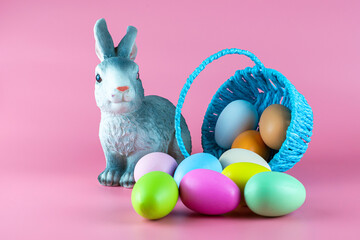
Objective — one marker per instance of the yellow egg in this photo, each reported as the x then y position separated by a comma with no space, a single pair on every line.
273,125
251,140
241,172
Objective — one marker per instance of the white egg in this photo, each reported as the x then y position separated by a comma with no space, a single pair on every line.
237,117
235,155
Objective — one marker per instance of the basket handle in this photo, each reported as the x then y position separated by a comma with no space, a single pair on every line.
192,77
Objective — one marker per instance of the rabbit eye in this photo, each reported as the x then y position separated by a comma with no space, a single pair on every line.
98,78
138,76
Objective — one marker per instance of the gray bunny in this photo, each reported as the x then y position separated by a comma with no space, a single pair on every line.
132,125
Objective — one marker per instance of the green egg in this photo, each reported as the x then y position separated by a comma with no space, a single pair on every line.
154,195
274,194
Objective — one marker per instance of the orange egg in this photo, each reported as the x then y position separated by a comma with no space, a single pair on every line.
252,141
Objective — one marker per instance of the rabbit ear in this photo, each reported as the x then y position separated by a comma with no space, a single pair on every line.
133,52
127,47
104,45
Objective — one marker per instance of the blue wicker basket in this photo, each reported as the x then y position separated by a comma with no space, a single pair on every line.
262,87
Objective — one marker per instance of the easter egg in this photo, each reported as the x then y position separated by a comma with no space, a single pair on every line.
209,192
235,155
241,172
154,195
238,116
196,161
273,124
156,161
251,140
274,194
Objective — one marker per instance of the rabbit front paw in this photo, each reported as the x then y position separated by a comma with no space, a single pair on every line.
127,180
110,177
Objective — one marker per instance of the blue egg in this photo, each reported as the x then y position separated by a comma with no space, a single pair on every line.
197,161
237,117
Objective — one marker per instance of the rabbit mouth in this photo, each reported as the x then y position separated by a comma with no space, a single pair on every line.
119,101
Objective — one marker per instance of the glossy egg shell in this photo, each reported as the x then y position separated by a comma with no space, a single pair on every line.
241,172
154,195
251,140
274,194
273,125
156,161
238,116
209,192
235,155
196,161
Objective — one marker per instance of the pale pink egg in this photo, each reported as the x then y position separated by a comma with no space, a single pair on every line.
156,161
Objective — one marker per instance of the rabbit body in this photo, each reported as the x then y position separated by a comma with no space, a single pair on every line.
132,125
140,131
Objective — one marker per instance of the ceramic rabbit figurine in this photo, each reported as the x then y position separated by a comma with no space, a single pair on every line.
132,125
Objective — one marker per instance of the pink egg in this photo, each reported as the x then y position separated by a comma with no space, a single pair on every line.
209,192
156,161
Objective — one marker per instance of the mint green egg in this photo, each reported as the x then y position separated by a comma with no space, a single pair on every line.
274,194
154,195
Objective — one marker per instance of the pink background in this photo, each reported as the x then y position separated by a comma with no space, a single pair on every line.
49,147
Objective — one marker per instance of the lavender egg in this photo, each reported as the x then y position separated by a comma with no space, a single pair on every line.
209,192
156,161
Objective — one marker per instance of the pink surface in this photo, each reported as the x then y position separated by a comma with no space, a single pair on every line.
49,148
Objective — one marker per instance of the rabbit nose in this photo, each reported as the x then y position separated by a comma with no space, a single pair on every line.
123,88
